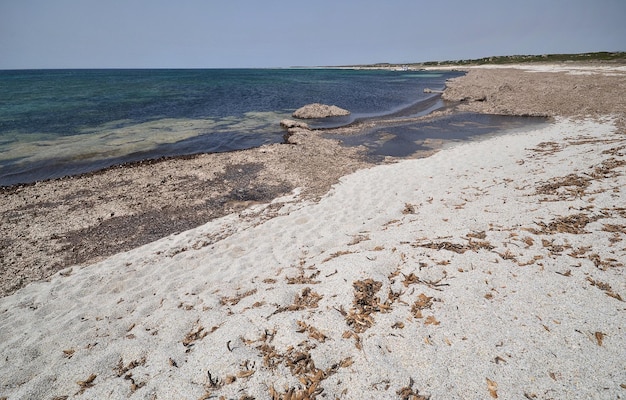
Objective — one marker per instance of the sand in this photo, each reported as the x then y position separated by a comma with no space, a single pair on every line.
543,90
54,224
492,269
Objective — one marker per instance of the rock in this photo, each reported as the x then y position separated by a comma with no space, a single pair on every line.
290,123
317,110
427,90
290,137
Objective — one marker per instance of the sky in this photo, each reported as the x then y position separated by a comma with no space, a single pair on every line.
283,33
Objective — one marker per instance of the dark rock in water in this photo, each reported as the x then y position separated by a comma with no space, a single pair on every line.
317,110
289,123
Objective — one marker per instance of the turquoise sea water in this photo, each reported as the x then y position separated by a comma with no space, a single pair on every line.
62,122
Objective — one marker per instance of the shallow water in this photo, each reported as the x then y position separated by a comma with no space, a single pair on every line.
406,139
64,122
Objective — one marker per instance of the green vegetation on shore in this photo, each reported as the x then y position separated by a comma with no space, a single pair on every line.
602,56
598,56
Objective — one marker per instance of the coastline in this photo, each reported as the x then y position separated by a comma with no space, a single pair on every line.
82,219
53,224
87,120
504,276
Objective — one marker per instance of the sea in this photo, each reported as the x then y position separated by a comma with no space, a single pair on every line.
55,123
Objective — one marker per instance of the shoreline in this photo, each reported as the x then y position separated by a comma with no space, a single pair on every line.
78,220
492,269
424,286
98,129
419,109
50,225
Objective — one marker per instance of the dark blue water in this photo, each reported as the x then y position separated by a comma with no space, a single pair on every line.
63,122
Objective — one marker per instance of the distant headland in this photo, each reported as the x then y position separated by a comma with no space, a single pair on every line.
601,56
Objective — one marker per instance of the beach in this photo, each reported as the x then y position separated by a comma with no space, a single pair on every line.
493,268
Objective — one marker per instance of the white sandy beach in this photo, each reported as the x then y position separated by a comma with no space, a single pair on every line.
492,269
529,308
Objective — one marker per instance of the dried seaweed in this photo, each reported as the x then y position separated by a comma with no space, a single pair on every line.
301,279
507,255
337,254
528,241
574,224
580,252
194,335
412,279
531,261
423,302
86,384
293,393
547,148
408,393
237,298
302,366
408,209
604,264
304,300
68,353
456,247
552,247
482,235
599,337
357,339
605,169
605,287
271,357
492,386
615,151
358,239
313,332
614,228
122,369
571,185
308,299
365,303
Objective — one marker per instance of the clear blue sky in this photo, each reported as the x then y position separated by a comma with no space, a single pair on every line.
282,33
